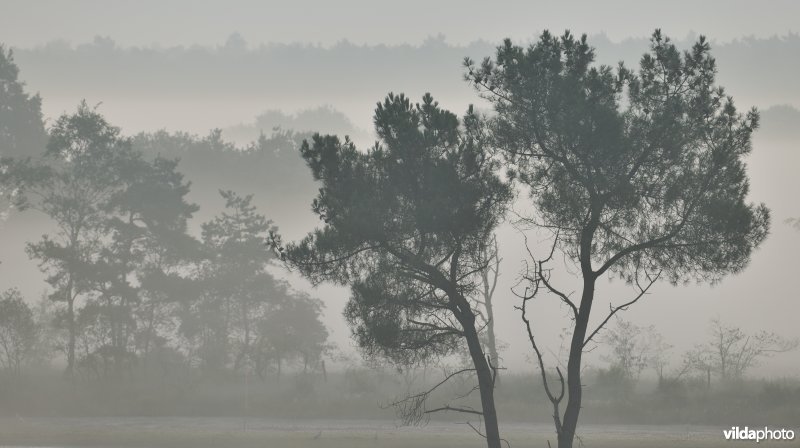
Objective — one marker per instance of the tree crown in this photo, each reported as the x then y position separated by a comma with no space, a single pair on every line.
404,223
636,170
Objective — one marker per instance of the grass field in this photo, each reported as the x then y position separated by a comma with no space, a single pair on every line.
230,433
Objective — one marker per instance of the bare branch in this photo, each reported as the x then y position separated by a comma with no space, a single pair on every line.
453,408
477,431
554,400
614,309
411,410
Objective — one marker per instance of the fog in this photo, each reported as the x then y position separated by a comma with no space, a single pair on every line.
208,23
231,91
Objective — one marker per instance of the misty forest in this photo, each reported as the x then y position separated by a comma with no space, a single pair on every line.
555,242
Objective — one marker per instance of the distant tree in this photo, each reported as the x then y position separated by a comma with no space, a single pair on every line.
489,276
629,348
18,335
238,290
293,329
165,288
72,184
632,348
51,340
699,360
9,187
640,175
146,225
323,119
270,165
121,221
659,353
403,224
484,307
22,130
98,354
730,352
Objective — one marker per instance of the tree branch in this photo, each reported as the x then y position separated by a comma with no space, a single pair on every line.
613,310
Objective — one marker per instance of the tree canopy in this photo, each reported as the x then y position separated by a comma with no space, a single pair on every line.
22,130
395,215
404,224
635,169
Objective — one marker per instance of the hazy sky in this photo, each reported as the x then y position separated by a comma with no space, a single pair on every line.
187,22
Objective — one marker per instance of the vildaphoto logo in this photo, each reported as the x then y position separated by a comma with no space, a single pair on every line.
757,435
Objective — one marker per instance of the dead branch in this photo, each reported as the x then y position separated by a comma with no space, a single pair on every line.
411,410
453,408
614,309
477,431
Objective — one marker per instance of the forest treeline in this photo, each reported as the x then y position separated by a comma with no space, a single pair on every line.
130,290
346,72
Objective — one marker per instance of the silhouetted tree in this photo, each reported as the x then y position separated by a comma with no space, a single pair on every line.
730,352
404,225
22,130
72,184
293,329
145,225
50,339
121,225
271,166
489,276
630,349
150,247
659,353
18,335
637,174
237,290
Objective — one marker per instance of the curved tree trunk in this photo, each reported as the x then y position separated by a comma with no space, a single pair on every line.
489,286
566,435
486,387
484,373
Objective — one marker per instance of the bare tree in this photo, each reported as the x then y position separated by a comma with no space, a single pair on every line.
659,353
730,352
489,276
17,331
630,348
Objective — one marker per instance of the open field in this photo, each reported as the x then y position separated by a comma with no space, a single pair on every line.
230,432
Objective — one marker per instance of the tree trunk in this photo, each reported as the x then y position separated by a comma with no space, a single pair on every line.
148,336
489,286
566,435
485,382
491,341
71,345
245,354
464,313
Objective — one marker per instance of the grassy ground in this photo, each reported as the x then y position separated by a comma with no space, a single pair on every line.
185,433
299,413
